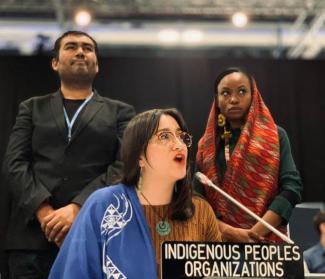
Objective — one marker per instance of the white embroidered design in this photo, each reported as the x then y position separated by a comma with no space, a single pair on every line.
115,219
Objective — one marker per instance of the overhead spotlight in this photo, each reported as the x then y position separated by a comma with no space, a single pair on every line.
168,36
239,19
192,36
82,17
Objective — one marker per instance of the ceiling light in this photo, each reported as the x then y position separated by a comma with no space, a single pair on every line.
168,36
192,36
239,19
82,18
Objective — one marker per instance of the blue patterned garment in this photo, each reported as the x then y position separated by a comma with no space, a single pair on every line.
109,239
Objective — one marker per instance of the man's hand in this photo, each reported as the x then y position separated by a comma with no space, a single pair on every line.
57,224
44,210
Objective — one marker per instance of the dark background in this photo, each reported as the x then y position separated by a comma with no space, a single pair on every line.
293,91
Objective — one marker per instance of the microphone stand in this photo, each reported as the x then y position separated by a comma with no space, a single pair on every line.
203,179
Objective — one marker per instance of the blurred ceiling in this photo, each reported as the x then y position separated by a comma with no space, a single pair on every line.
290,29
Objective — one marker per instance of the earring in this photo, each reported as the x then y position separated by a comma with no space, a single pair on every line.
221,120
226,134
222,123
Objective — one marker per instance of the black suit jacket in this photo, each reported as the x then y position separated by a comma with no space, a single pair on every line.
41,164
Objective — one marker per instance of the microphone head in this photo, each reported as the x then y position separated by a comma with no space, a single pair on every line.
202,178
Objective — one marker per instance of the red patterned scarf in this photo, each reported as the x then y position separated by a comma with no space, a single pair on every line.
252,171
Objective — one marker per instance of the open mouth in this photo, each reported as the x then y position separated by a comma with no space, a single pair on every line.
179,158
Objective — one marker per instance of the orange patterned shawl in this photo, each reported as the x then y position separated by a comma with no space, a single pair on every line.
252,171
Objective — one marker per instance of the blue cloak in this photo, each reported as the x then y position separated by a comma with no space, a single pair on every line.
110,238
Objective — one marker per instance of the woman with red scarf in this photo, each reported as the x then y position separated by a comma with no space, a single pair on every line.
246,154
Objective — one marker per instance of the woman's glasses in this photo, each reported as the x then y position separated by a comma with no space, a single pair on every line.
167,137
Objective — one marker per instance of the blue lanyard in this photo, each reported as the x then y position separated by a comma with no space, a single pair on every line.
70,123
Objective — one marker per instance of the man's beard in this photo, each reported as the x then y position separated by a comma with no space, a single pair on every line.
78,79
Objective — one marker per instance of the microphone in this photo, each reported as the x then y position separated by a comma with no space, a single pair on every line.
204,180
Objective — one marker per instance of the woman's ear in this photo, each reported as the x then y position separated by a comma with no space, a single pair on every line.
141,162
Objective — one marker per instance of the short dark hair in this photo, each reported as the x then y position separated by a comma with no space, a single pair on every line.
135,142
229,71
57,43
318,219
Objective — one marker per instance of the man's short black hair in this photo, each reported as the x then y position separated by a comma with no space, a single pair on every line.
57,43
319,218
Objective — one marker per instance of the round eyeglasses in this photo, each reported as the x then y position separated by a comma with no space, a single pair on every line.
166,137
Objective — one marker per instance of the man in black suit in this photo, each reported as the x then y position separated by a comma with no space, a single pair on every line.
63,146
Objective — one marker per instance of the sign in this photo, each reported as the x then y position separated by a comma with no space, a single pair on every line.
228,260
